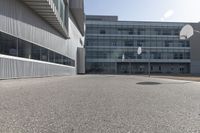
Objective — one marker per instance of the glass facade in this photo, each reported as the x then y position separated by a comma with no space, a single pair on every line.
107,43
13,46
62,10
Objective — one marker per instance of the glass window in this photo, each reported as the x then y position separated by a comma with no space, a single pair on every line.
167,43
8,45
151,68
65,61
187,43
166,32
129,43
24,49
51,56
131,32
140,43
175,56
141,31
62,10
35,52
157,31
160,68
176,32
102,32
13,46
58,58
44,54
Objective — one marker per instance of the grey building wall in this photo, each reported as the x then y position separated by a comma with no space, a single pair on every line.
81,61
195,50
18,20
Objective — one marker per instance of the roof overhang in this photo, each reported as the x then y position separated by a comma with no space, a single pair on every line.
47,10
77,9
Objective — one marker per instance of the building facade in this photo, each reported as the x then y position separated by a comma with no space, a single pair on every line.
41,38
111,47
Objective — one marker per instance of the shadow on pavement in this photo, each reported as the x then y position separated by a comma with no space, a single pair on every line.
158,83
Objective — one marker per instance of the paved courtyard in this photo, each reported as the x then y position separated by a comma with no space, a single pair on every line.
99,104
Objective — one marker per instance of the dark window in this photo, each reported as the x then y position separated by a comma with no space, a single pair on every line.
126,31
35,52
167,43
131,33
51,56
65,61
129,43
157,31
176,32
184,43
102,32
24,49
140,43
175,56
139,56
129,55
180,56
8,45
181,69
151,68
59,58
113,43
187,43
160,68
44,54
156,55
72,62
187,55
166,32
141,31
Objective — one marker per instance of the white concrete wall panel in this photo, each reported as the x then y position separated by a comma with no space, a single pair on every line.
14,67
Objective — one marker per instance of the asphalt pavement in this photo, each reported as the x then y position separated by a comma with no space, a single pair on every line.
99,104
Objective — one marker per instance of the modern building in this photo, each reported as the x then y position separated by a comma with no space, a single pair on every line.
41,38
111,47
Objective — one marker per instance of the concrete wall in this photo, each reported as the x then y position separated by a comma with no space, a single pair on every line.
20,21
195,50
15,67
81,61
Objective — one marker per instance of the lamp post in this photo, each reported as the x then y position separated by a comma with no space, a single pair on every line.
149,64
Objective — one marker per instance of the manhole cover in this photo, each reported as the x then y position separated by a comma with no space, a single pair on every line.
148,83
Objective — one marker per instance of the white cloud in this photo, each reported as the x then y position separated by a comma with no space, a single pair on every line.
168,14
162,19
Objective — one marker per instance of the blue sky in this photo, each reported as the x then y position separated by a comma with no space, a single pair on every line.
146,10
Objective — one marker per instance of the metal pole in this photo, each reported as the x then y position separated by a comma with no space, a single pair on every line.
149,65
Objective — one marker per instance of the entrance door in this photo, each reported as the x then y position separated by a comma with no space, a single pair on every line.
123,68
140,69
